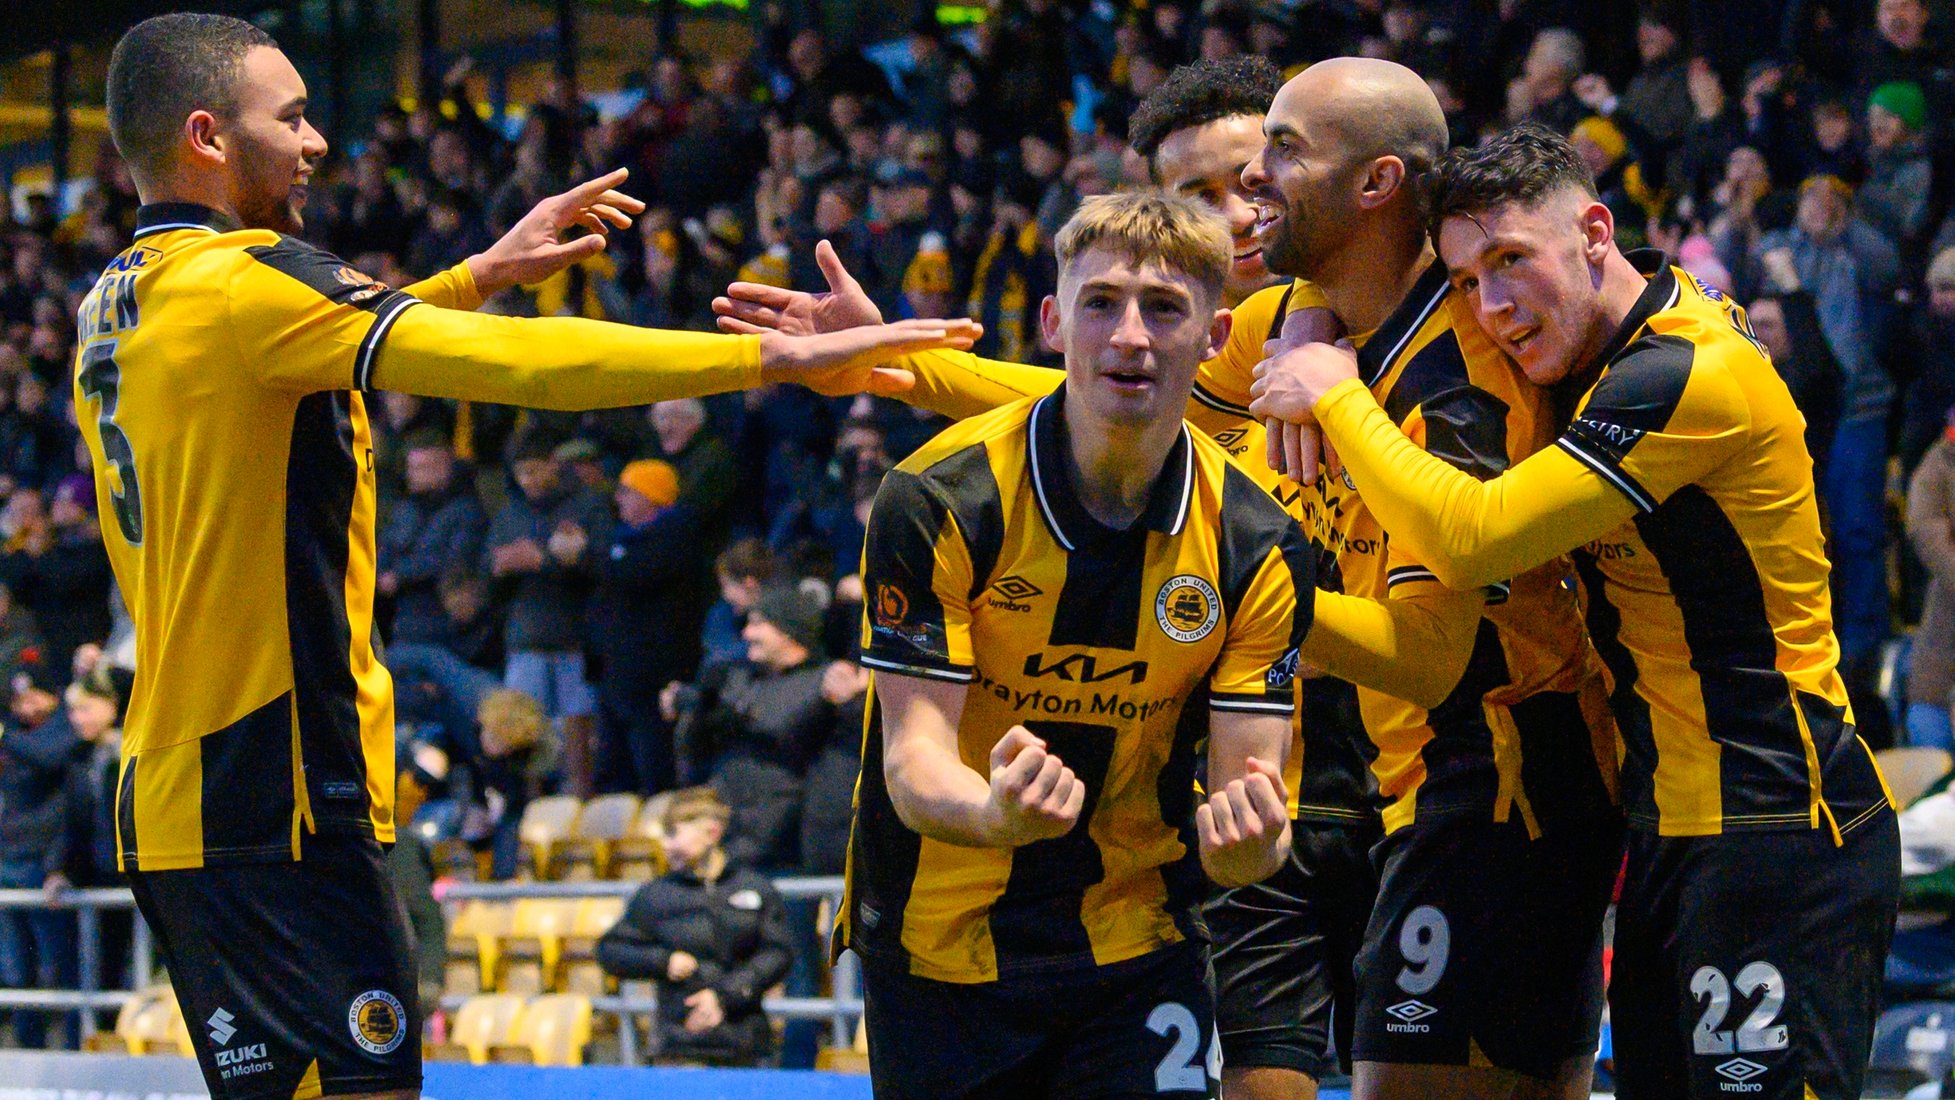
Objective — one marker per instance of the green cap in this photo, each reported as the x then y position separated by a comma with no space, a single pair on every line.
1903,100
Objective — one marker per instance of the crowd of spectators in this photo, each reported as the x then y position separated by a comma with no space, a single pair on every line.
651,598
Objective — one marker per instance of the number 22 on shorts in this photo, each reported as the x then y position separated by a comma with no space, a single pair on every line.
1757,1033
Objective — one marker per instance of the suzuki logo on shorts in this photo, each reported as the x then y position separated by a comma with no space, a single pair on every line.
220,1027
1083,668
1408,1014
242,1057
1739,1073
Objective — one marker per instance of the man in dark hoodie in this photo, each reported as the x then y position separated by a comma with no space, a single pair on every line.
37,947
437,524
650,620
711,932
540,553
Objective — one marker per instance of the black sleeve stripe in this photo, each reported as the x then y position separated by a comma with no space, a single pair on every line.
342,284
951,673
1203,395
1610,473
1405,574
394,304
1252,704
1498,593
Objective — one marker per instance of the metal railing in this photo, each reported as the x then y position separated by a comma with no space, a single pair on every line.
87,906
842,1009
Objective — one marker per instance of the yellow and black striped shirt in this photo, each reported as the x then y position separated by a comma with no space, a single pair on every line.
218,378
1682,475
981,567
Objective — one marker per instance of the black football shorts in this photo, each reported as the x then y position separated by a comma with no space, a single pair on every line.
1486,944
1750,964
1140,1028
296,979
1285,950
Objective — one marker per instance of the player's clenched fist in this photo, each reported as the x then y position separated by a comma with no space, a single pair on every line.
1244,828
1034,795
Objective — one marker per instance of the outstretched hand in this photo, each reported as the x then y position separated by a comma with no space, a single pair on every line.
757,307
534,248
849,361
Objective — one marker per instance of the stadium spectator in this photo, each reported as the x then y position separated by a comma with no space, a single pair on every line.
1851,272
711,933
436,523
94,707
754,729
55,565
1894,198
742,570
37,947
538,548
1927,350
647,605
1787,323
512,762
1931,531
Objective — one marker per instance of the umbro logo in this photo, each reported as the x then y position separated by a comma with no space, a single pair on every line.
220,1027
1015,587
1411,1011
1740,1069
1231,437
1408,1015
1009,593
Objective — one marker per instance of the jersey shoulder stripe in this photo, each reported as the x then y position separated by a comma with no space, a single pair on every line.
342,284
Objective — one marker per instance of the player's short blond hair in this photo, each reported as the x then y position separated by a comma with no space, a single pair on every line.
1149,226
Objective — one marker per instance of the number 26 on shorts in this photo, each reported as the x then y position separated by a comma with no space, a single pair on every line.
1178,1071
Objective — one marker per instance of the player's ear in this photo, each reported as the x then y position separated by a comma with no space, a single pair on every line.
200,131
1218,333
1598,231
1386,177
1049,325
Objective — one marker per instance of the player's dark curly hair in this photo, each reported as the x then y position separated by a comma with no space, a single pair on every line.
165,68
1199,93
1521,165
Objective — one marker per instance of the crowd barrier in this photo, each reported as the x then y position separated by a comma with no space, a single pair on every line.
842,1009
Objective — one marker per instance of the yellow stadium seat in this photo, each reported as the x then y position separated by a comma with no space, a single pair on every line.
149,1022
529,955
475,944
1910,771
579,971
849,1059
552,1031
606,819
546,824
640,854
484,1021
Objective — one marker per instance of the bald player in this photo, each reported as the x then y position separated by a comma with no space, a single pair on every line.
1480,974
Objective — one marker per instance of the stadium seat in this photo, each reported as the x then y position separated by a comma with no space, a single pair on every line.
640,854
1911,771
475,945
149,1022
484,1021
606,819
850,1059
579,972
528,956
546,824
552,1031
455,859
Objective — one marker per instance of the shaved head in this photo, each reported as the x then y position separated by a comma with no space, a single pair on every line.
1370,107
1348,142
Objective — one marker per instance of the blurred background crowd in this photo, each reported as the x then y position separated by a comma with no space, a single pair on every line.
647,599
